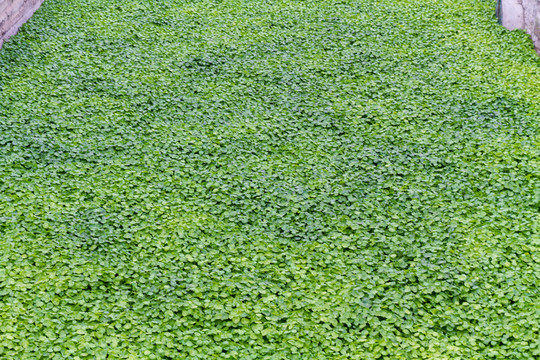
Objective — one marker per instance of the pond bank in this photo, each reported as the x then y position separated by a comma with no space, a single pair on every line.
521,14
13,14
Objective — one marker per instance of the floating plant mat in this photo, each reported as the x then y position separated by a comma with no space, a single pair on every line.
269,180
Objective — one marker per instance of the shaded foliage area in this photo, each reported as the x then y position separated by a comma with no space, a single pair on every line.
322,179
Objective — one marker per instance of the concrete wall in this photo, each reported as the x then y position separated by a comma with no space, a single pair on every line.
531,21
14,13
522,14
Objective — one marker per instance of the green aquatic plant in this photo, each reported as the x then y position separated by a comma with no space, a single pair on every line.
272,179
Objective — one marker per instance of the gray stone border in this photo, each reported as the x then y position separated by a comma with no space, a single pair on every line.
521,14
13,14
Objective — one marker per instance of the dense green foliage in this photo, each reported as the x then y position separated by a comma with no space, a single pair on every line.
279,179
